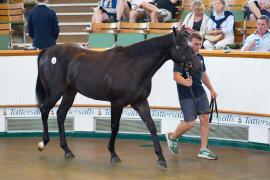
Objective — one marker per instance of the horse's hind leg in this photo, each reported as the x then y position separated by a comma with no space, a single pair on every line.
45,110
116,111
144,112
67,101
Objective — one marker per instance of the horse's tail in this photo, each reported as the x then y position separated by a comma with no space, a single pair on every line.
40,89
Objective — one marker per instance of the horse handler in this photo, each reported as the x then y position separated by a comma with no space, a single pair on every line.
193,102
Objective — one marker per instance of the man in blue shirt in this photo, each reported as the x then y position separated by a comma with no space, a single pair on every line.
193,101
260,40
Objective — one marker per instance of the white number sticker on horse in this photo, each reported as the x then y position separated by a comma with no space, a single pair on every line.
53,60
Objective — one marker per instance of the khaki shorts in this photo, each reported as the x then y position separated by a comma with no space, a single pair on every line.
167,15
191,110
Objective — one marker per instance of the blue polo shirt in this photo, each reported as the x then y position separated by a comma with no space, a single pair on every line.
197,87
264,42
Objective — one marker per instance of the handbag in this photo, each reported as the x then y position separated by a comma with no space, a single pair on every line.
214,38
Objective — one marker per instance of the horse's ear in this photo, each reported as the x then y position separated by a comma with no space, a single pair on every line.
182,28
184,32
174,31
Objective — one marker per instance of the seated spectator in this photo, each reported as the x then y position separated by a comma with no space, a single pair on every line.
105,12
255,9
260,40
221,22
131,10
161,11
197,19
123,9
137,12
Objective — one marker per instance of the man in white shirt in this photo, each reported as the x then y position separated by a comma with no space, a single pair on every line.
260,40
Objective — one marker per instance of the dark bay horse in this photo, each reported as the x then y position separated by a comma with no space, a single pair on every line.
121,75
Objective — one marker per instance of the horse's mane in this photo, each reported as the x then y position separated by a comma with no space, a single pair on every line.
148,46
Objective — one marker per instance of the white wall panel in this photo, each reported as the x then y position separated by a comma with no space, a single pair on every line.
242,83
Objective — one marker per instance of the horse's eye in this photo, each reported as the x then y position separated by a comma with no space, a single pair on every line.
177,47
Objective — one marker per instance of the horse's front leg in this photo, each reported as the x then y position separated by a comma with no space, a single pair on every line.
65,105
143,110
116,111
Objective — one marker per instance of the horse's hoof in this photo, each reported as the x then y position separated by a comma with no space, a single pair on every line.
69,155
162,164
115,159
41,146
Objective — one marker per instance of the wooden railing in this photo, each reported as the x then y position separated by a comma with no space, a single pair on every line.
209,53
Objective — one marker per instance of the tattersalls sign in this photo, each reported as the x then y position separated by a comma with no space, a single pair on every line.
85,119
233,119
24,112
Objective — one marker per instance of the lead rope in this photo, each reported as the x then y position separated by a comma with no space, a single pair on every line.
213,107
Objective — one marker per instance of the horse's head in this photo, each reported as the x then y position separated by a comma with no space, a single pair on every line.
181,51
